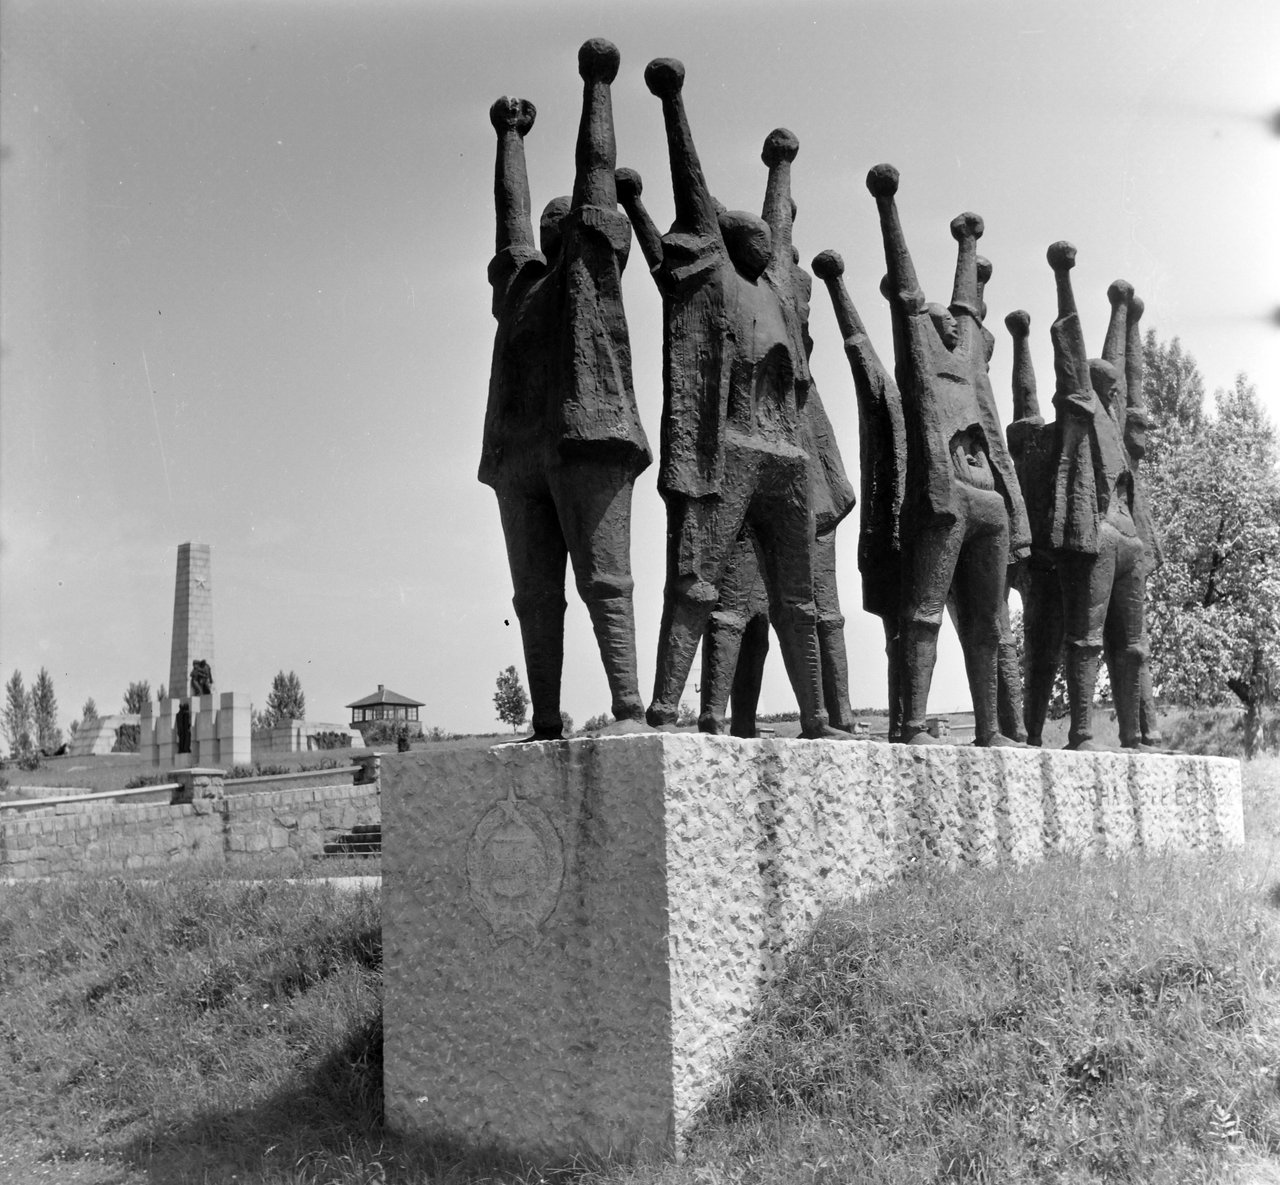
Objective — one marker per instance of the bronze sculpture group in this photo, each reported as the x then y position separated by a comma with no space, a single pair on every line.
954,511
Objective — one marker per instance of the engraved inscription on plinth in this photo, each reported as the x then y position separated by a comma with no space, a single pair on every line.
515,867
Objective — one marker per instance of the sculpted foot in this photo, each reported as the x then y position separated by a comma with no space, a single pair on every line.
1086,745
539,734
1000,741
624,727
921,737
825,732
661,718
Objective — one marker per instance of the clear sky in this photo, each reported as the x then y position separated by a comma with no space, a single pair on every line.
244,298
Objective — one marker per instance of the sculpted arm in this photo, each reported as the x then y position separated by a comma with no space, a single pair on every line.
1073,390
829,268
780,149
1116,343
882,182
629,188
512,119
1026,404
966,296
695,209
596,152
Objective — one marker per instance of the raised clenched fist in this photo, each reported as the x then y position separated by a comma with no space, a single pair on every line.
1120,292
828,265
628,184
780,145
1061,256
664,77
967,226
598,60
507,114
1018,323
882,181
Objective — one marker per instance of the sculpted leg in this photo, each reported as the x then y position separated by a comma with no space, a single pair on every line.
594,504
1042,638
979,589
929,557
722,641
536,554
1086,594
831,646
784,527
1126,640
700,537
893,653
749,675
1009,687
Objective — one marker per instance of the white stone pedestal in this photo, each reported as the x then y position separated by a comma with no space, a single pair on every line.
575,933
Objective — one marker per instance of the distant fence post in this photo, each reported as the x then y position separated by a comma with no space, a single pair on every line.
200,786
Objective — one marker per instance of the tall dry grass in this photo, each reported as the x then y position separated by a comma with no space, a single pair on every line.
1116,1021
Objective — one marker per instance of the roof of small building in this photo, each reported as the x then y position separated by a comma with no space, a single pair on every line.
383,696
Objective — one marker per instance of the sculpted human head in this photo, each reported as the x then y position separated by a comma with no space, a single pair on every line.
944,322
556,211
748,240
1105,379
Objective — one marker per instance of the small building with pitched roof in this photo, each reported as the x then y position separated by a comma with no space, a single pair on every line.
386,705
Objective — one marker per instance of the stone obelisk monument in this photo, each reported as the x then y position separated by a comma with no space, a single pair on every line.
191,726
192,615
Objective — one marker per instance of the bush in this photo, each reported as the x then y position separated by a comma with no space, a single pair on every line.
330,740
1216,732
259,770
136,783
387,732
596,723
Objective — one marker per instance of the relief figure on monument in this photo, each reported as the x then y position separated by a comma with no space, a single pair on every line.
962,515
201,678
735,376
563,441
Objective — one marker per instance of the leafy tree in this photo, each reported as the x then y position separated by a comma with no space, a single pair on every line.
162,692
17,715
566,722
596,723
511,700
1213,607
44,713
286,701
1173,390
137,696
89,712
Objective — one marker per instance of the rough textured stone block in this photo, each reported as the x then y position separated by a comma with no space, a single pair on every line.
575,934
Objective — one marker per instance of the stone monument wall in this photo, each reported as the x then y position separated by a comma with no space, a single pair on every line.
576,934
285,822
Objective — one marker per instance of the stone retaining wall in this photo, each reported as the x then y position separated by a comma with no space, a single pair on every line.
102,839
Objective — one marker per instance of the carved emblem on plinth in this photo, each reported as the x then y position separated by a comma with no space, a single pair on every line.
515,865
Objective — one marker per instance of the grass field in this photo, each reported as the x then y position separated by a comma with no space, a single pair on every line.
1103,1022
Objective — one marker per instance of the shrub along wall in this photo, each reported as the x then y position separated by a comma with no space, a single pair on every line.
291,823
